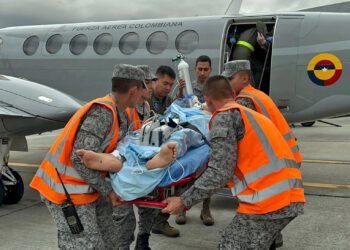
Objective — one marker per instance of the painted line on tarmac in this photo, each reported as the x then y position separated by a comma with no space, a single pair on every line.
39,148
17,164
326,161
326,185
306,184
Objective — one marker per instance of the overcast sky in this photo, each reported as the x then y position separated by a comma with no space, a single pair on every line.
32,12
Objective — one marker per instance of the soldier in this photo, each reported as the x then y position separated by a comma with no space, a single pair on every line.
124,216
160,99
203,70
159,102
247,45
239,74
96,126
248,154
142,110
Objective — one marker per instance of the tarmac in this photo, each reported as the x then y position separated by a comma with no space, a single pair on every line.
325,224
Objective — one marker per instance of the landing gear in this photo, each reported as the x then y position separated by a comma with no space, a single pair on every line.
308,124
2,192
11,183
13,186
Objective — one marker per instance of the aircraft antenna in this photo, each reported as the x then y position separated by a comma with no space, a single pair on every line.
236,7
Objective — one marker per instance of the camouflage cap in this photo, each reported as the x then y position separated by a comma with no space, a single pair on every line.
130,72
232,67
148,73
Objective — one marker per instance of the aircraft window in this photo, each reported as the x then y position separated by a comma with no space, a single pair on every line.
103,43
1,42
187,41
31,45
54,43
157,42
78,44
129,43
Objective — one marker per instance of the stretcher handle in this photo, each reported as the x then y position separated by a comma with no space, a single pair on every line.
153,204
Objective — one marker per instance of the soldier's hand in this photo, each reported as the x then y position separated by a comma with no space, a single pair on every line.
261,39
175,205
182,84
115,199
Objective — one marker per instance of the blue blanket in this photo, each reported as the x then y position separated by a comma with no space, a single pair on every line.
134,180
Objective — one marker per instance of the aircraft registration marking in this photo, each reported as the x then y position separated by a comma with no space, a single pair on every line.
325,69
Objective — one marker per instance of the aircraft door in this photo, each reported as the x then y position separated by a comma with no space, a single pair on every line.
284,62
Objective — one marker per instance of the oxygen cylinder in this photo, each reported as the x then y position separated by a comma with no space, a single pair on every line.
183,69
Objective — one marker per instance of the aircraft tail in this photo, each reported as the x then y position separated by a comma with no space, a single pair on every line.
234,7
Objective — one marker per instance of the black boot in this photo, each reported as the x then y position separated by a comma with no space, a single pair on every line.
142,242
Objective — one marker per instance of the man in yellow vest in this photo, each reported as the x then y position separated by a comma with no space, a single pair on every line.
76,196
250,156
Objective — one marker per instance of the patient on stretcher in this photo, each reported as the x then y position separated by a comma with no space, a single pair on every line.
108,162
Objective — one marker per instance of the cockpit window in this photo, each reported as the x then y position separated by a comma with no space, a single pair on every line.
103,43
78,44
54,43
31,45
187,41
129,43
157,42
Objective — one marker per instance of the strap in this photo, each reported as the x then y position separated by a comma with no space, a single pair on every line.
246,44
191,126
64,188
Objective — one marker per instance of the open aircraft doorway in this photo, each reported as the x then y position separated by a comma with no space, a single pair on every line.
237,48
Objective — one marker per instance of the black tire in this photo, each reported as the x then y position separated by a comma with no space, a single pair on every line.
14,193
2,192
308,124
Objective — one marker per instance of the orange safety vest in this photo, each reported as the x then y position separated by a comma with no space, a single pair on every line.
264,105
46,179
134,118
266,176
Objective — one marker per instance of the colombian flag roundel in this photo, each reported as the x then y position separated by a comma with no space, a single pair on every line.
324,69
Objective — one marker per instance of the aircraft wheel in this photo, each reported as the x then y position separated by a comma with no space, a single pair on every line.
308,124
2,192
14,193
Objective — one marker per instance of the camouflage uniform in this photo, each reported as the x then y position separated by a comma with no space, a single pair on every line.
124,216
99,230
198,91
246,102
246,231
158,105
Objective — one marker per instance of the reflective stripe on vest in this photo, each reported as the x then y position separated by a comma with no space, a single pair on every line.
265,113
246,44
273,166
269,180
289,136
271,191
46,179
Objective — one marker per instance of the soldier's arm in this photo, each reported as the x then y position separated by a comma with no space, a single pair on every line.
90,136
222,162
246,102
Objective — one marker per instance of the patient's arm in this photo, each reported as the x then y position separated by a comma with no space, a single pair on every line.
99,161
164,158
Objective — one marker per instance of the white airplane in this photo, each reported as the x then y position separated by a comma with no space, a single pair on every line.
305,70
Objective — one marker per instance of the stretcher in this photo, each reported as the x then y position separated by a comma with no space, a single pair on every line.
160,193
